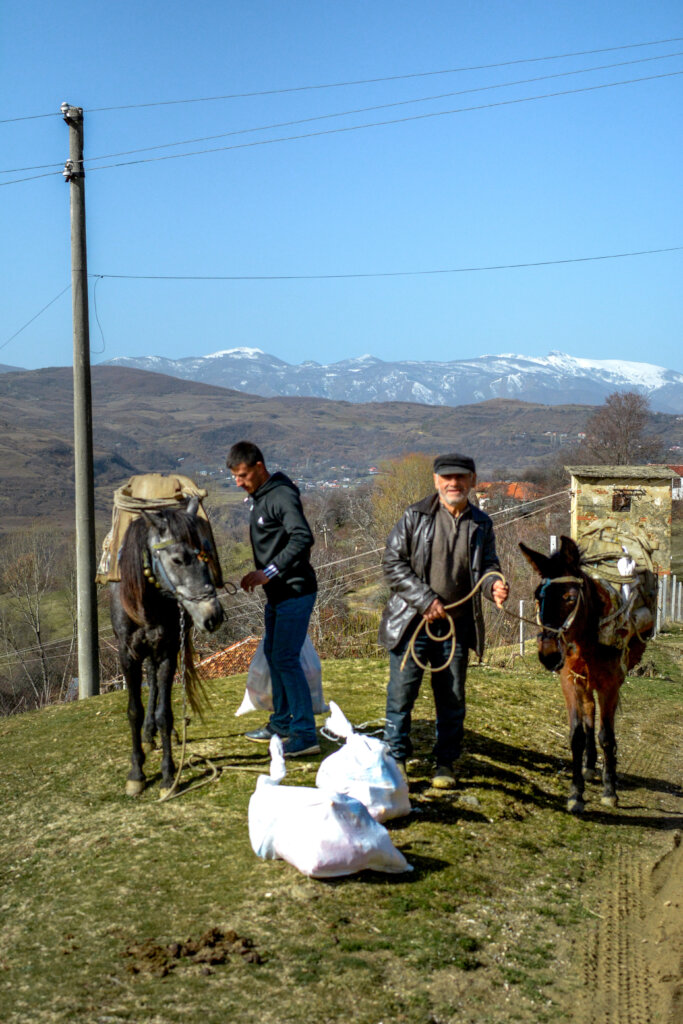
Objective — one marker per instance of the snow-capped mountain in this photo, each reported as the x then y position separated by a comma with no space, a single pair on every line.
553,379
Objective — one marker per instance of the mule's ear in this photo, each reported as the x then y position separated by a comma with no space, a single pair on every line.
540,562
570,552
154,519
192,506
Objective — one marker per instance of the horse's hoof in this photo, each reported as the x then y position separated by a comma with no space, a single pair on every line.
165,792
134,787
609,801
592,775
575,806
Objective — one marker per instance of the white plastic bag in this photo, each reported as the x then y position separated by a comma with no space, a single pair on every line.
323,835
363,768
258,695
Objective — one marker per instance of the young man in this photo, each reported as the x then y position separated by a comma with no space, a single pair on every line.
434,556
281,541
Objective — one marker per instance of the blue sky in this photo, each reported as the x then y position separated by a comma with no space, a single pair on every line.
593,173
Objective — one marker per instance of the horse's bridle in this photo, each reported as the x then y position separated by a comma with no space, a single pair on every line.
157,575
547,582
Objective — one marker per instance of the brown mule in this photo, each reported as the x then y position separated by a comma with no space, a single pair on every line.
571,607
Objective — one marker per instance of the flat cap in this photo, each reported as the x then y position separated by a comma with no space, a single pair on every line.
454,462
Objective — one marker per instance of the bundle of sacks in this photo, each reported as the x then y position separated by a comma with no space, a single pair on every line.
363,768
330,830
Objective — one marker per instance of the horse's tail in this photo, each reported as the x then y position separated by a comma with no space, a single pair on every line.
195,690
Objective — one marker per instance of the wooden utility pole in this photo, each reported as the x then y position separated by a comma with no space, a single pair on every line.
88,653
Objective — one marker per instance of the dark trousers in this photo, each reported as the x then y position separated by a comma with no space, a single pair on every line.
448,686
286,627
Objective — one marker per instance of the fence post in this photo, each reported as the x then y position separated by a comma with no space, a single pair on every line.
658,617
672,602
521,628
665,595
553,543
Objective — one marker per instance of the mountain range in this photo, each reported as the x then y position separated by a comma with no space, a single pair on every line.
144,422
555,379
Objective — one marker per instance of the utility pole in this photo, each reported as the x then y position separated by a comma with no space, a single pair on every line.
88,653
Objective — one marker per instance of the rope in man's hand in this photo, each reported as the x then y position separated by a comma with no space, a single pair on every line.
450,635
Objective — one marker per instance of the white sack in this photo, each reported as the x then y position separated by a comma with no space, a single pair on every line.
364,769
323,835
258,695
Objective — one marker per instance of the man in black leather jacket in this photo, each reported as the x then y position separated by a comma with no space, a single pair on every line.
435,555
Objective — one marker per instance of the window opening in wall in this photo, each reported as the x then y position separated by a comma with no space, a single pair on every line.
621,502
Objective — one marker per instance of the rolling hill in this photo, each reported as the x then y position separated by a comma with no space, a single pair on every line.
145,421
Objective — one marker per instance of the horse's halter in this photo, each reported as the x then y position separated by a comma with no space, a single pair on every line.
154,571
540,601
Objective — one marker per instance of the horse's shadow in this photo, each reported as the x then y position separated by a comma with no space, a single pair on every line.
496,765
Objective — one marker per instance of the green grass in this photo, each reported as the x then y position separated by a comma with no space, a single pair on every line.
504,879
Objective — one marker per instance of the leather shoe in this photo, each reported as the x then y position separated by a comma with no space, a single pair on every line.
444,777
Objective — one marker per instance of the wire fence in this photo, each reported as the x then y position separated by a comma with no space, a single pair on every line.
340,626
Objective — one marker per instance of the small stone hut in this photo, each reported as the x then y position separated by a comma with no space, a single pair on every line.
638,496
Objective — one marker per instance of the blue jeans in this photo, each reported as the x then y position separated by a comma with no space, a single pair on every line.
448,687
286,628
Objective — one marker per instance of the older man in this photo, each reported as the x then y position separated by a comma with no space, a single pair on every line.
434,557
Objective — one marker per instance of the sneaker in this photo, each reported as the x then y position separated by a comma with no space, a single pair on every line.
263,735
443,777
299,748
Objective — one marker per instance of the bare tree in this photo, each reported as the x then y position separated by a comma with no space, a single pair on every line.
401,483
35,602
616,433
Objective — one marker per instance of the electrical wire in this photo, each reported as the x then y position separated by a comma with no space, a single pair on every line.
29,322
384,273
359,127
360,81
381,124
347,113
389,78
242,612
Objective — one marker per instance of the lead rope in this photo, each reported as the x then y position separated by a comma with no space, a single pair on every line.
195,759
450,635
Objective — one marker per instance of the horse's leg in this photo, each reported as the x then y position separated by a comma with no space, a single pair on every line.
577,739
590,757
164,718
149,728
132,671
609,698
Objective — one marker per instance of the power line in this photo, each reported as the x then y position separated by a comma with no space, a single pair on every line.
27,324
360,127
356,110
242,611
360,81
389,78
383,273
400,120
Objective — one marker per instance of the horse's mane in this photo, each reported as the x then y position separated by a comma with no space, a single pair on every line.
192,531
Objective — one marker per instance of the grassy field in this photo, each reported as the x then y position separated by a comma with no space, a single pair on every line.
107,900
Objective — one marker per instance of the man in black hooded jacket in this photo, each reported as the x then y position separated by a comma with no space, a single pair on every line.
281,541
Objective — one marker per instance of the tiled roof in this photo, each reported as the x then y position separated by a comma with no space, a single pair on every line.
230,661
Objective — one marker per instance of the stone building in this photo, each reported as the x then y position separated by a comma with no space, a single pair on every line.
637,496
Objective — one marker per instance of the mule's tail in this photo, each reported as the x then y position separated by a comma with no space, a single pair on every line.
195,690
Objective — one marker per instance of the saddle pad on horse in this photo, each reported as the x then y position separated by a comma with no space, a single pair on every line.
147,492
